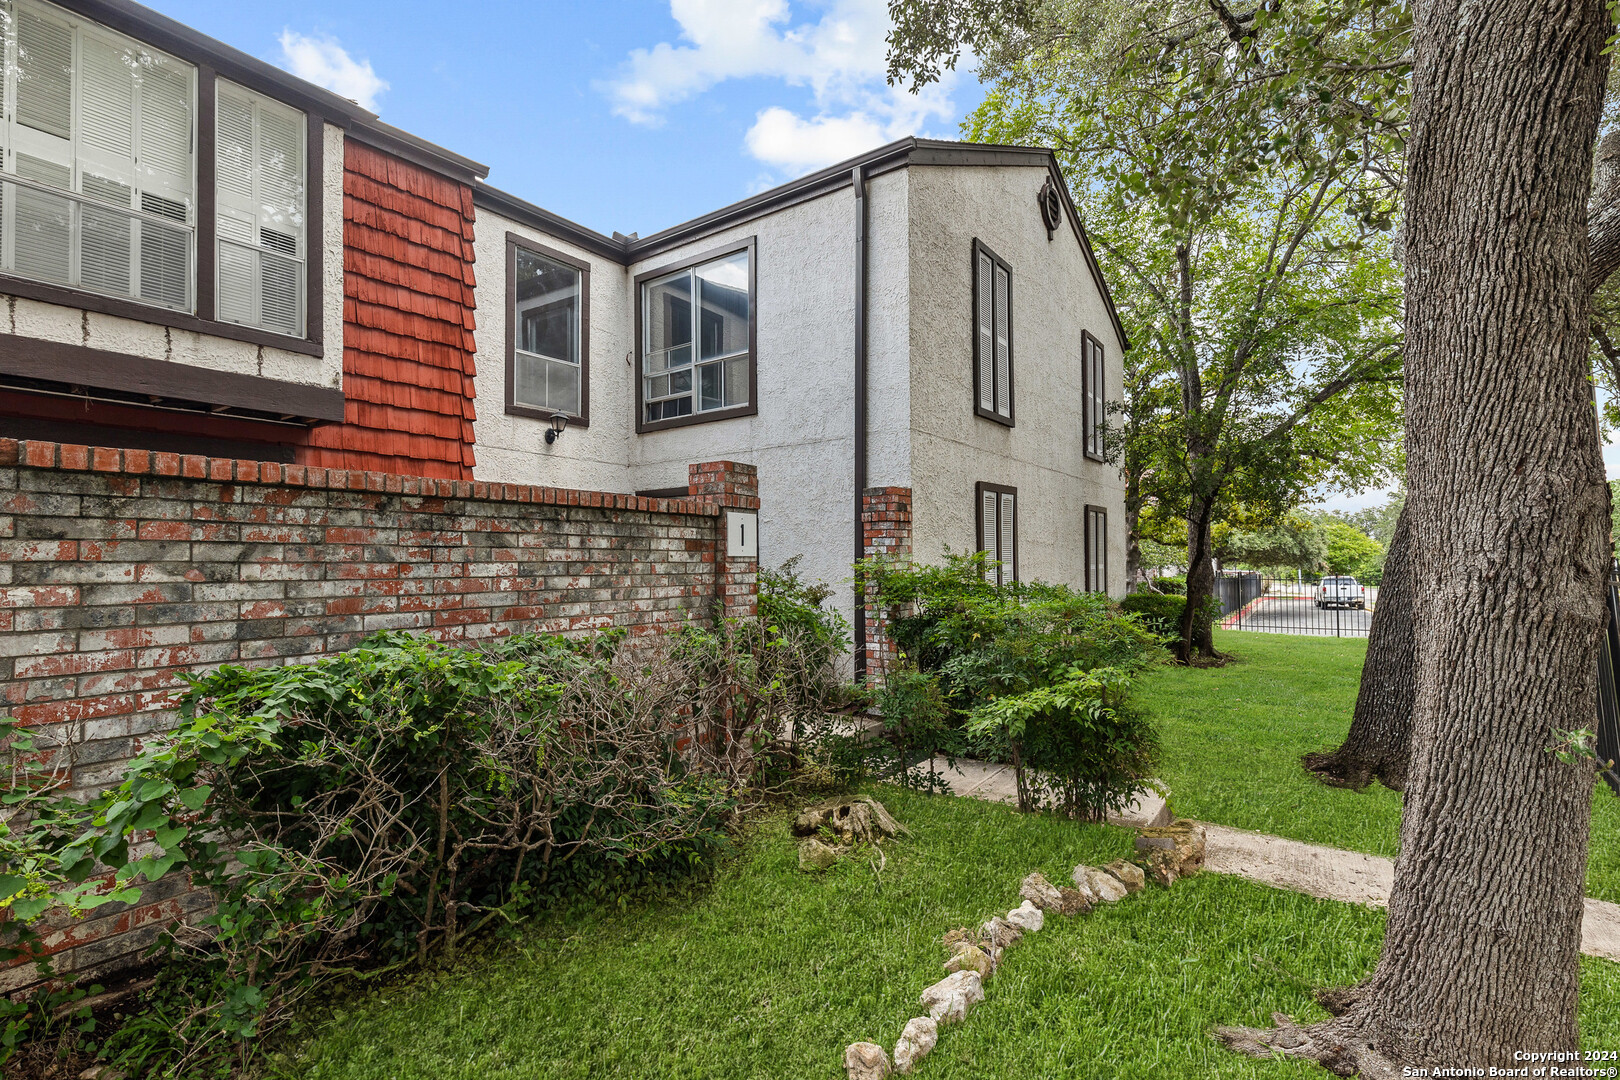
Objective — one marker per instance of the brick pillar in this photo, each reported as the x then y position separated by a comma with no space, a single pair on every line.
886,526
735,487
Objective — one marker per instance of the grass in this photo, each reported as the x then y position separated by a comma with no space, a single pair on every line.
770,972
1233,737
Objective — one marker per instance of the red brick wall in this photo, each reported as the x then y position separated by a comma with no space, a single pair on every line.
886,525
122,569
408,323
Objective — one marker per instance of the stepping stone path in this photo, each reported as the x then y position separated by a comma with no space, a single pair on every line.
1166,853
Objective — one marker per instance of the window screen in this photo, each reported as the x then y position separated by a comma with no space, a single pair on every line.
1096,549
992,335
547,333
697,339
998,530
97,191
1094,407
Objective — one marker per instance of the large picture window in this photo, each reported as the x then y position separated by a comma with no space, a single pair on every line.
998,530
1093,400
992,336
260,211
696,331
1096,549
98,189
548,328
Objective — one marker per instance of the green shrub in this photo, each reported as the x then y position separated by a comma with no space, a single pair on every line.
1170,586
1159,612
1034,674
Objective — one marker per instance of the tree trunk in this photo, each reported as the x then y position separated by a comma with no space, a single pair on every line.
1482,943
1196,637
1379,741
1133,524
1380,732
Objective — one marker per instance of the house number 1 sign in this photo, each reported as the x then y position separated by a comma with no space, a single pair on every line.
742,535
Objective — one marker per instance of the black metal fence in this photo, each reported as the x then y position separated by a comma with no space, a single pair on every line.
1608,719
1285,606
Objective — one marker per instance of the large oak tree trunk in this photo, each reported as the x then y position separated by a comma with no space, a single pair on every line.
1507,499
1379,741
1380,731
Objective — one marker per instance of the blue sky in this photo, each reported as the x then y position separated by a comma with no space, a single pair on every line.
620,114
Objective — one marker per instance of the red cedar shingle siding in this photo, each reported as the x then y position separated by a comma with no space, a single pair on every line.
408,323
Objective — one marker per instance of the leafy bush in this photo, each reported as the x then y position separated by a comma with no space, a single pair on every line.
380,806
1033,673
1160,613
1169,586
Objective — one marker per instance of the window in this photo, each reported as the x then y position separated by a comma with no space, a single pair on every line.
1093,402
992,336
696,333
1096,549
97,191
260,211
998,529
547,331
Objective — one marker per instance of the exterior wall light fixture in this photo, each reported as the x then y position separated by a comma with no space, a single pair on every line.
559,424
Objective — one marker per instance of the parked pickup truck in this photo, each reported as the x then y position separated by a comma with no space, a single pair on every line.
1341,592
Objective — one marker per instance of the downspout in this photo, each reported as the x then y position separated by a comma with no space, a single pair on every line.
858,181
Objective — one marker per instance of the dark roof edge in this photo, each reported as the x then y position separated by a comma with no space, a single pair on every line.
896,155
144,24
401,143
526,213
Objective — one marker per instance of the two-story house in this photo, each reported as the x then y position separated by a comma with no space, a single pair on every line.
200,253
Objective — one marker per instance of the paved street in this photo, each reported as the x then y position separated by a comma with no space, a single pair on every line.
1274,614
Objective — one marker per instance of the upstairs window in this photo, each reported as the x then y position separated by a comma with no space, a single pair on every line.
260,211
547,331
697,341
992,336
1093,402
97,187
998,530
1096,548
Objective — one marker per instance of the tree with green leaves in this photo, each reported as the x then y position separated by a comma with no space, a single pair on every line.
1241,198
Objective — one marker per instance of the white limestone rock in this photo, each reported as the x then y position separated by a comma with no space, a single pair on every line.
1027,917
999,932
1102,885
948,1000
921,1033
866,1061
1129,874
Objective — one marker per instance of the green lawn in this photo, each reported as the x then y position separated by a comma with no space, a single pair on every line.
770,972
1233,737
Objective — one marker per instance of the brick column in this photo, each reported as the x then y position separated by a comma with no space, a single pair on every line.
734,486
886,526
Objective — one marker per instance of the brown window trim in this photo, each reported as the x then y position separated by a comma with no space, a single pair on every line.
203,321
750,245
1010,420
1085,536
1086,344
76,365
513,242
978,518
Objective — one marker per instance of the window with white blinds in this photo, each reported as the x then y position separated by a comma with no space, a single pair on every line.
1096,545
97,189
998,530
1093,402
259,211
547,367
992,335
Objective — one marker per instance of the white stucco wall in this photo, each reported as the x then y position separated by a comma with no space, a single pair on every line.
512,449
1054,298
802,439
75,326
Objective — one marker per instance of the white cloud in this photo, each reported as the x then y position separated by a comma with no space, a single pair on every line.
839,58
325,62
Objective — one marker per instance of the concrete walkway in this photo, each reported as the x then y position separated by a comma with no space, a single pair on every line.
1329,873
